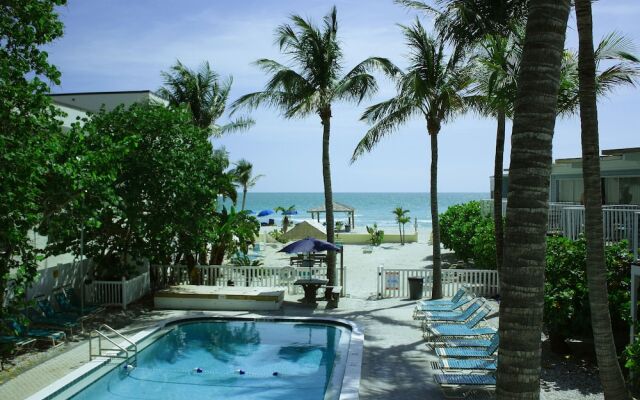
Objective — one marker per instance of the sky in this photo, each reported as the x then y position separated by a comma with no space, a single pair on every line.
120,45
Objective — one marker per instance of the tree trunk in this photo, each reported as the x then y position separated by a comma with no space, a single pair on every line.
522,275
400,230
436,289
244,197
328,195
497,189
608,366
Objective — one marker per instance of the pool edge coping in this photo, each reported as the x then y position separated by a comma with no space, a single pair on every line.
350,381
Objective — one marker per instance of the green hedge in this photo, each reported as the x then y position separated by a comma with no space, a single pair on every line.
469,234
566,303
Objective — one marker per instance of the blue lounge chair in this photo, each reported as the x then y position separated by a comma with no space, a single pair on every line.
470,352
472,380
46,316
468,329
55,337
461,292
476,342
422,306
470,363
453,316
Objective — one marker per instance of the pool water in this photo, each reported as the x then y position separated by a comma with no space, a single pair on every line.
231,360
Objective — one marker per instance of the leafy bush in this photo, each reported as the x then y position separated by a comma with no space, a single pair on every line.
375,235
566,303
469,234
278,236
631,357
483,244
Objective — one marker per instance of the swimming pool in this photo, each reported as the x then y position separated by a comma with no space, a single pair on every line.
231,359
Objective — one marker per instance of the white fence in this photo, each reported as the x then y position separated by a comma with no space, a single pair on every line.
118,293
248,276
394,282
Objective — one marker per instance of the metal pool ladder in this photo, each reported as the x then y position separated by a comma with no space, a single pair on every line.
121,350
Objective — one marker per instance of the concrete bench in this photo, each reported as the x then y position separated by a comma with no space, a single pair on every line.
334,296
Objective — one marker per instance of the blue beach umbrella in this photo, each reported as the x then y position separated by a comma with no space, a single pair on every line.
264,213
308,245
290,212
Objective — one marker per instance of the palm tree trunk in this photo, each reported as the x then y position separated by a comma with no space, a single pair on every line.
328,196
608,366
244,197
436,290
522,275
497,189
400,230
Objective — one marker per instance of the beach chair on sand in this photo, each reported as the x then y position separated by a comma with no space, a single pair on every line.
470,352
437,332
452,316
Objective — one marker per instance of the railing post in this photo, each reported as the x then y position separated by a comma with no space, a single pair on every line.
124,291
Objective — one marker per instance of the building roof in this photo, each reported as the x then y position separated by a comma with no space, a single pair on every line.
337,207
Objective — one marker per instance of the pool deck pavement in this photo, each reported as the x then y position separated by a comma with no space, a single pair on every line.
396,363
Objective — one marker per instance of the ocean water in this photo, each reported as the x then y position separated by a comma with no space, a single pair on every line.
370,207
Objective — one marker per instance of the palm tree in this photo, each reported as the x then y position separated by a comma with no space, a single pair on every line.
401,219
608,366
286,212
495,27
312,88
522,275
496,70
435,87
243,176
204,94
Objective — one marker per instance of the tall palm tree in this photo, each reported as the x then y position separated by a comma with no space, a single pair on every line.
243,176
522,275
311,87
608,366
495,26
496,70
401,219
434,87
205,94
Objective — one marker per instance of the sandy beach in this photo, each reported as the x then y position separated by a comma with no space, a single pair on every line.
361,268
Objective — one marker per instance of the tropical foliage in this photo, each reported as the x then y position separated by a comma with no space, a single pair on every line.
204,94
143,182
402,218
312,85
566,302
469,234
243,177
435,87
286,212
376,236
28,131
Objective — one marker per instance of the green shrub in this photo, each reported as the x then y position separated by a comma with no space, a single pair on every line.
483,244
278,236
566,303
458,227
375,235
469,234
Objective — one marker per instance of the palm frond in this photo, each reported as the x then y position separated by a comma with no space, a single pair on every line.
238,125
385,125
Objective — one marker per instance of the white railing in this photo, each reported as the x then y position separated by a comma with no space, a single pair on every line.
394,282
118,293
246,276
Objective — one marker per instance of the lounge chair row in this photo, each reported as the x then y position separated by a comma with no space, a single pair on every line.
45,323
464,343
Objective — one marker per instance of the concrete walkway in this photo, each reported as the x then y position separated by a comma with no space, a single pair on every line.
396,362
